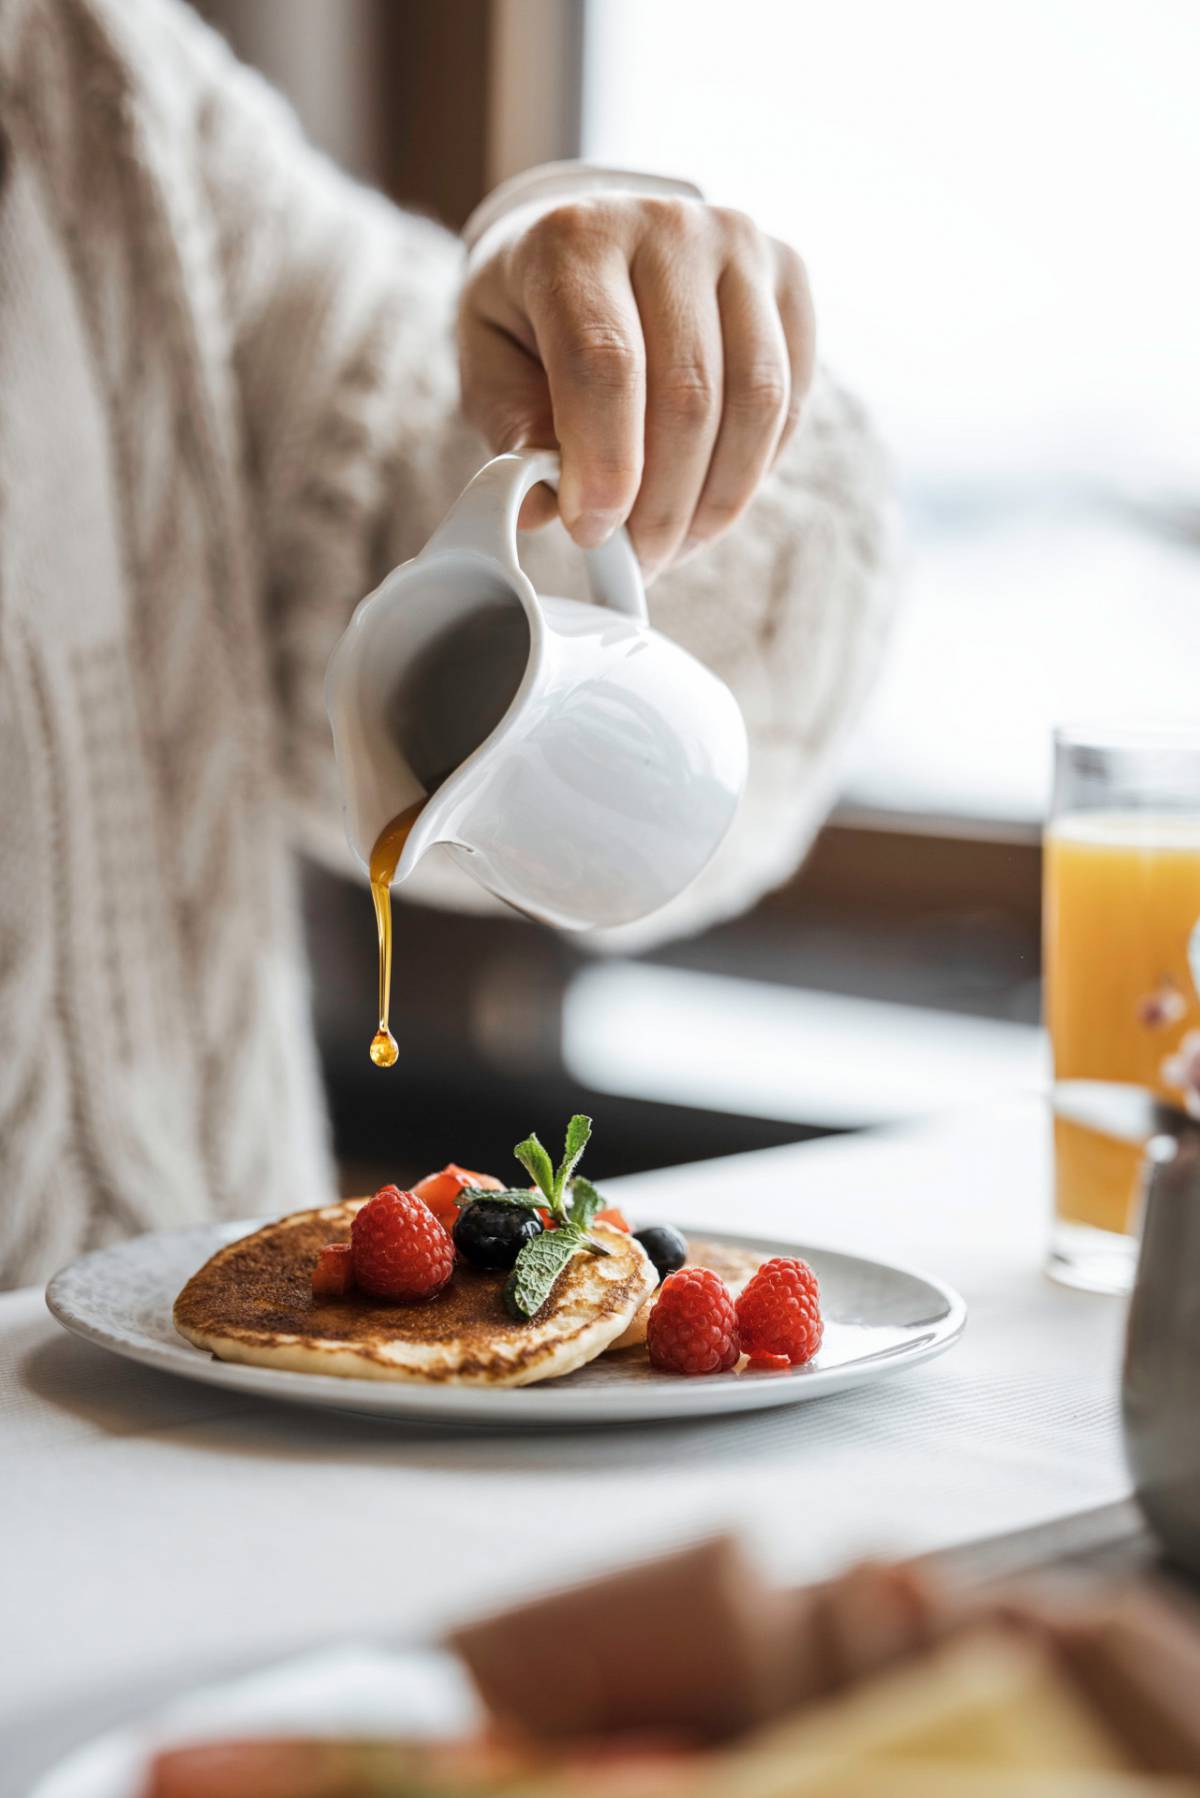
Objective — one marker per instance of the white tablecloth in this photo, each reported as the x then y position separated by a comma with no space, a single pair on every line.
149,1523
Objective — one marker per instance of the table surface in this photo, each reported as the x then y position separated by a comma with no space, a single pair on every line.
152,1524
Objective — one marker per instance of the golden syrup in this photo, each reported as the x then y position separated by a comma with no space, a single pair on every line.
389,847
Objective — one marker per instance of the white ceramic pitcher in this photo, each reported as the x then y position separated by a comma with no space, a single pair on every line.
578,764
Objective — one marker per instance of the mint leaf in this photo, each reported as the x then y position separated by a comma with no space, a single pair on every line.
511,1195
537,1267
579,1132
585,1203
538,1166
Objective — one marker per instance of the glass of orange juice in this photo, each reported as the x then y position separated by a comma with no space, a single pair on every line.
1122,957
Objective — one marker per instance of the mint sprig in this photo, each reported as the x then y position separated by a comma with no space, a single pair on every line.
537,1165
555,1185
579,1134
571,1201
508,1195
536,1269
585,1203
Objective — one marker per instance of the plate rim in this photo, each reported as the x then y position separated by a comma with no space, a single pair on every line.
541,1405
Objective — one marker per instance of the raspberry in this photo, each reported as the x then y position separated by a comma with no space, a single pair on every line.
400,1249
693,1326
333,1276
778,1313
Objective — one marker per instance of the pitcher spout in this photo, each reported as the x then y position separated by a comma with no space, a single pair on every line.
432,663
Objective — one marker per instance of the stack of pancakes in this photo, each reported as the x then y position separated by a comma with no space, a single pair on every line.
253,1302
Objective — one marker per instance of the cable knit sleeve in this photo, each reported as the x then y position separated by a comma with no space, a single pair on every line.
339,309
342,311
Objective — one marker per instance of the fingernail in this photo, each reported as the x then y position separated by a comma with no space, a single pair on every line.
591,529
688,547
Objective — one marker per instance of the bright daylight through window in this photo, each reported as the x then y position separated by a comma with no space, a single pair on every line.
995,206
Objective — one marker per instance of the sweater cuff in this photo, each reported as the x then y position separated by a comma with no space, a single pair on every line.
554,181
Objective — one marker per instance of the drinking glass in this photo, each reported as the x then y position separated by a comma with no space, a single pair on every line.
1122,959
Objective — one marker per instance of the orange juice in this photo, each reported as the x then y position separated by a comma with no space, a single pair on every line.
1122,895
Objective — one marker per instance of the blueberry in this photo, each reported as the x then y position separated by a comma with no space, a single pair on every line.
492,1235
665,1246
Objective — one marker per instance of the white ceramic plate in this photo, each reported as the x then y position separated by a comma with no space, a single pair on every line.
878,1320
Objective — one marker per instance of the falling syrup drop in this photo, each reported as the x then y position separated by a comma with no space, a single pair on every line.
384,857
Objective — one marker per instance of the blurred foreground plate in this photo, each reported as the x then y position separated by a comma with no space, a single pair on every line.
345,1691
879,1320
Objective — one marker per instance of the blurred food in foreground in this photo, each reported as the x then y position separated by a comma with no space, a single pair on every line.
692,1676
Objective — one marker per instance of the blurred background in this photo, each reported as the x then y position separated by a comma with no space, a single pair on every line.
1032,168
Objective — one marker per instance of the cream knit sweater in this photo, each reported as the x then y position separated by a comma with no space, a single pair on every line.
227,406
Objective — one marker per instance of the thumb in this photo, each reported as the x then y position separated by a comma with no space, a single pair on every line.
506,397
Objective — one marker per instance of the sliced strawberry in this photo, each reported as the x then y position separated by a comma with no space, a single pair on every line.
440,1191
616,1220
333,1275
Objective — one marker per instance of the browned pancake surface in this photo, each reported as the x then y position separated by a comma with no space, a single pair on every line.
259,1290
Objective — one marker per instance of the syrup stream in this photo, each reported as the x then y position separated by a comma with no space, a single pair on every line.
389,847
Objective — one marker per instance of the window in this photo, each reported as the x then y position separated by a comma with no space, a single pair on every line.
996,204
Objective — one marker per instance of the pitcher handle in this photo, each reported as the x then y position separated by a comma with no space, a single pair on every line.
483,520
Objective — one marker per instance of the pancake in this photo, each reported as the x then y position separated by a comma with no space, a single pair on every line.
253,1302
734,1265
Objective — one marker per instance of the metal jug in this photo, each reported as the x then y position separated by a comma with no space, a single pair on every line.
1161,1385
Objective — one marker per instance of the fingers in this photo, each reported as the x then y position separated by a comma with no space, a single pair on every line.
506,398
793,296
585,324
665,346
681,326
504,389
757,390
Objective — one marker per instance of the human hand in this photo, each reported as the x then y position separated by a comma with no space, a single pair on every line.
663,345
